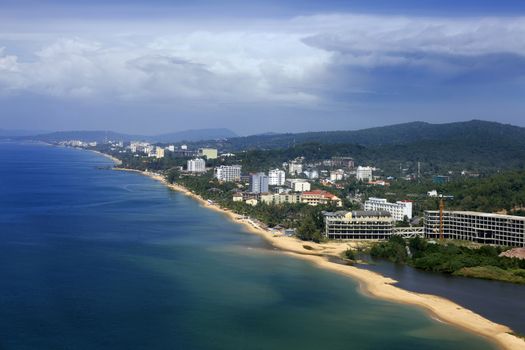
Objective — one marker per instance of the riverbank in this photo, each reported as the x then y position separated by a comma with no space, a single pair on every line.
371,283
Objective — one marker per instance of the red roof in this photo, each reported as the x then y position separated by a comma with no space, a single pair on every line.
321,193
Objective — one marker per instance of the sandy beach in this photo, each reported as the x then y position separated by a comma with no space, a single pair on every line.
115,160
371,283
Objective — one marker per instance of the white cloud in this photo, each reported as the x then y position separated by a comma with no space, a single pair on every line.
281,63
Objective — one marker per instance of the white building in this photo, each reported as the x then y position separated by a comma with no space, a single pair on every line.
364,173
228,173
337,175
197,165
159,152
184,147
295,167
298,185
276,177
312,174
397,210
171,148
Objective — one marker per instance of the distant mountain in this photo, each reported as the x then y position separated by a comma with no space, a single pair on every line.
8,133
195,135
388,135
98,136
101,136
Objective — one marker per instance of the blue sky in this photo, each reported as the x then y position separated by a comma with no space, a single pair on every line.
159,66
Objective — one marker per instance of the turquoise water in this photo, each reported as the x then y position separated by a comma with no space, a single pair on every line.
100,259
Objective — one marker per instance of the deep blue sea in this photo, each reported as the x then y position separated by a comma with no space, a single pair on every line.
92,258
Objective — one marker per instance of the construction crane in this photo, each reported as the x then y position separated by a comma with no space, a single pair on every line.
441,209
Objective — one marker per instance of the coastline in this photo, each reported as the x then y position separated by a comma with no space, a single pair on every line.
115,160
371,283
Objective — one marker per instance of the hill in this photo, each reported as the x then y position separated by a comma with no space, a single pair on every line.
101,136
387,135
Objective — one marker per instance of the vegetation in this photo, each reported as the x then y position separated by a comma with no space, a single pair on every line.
483,262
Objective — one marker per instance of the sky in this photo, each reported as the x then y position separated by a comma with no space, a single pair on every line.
159,66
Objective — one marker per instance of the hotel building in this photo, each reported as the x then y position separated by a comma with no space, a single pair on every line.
487,228
359,225
197,165
228,173
398,210
317,197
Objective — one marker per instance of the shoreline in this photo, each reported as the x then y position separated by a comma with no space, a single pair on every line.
370,283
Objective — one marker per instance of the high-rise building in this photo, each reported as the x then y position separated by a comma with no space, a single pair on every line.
364,173
398,210
276,177
258,183
159,152
295,167
209,153
197,165
228,173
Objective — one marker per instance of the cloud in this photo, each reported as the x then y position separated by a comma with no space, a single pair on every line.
299,61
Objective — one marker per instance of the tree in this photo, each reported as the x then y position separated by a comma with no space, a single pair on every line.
307,230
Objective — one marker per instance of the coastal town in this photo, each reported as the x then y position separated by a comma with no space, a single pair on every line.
319,183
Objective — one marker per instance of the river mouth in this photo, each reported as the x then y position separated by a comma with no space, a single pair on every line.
494,300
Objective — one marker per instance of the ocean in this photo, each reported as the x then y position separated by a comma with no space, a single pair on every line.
92,258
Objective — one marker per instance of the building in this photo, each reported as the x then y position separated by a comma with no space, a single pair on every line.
159,152
364,173
280,198
276,177
358,225
298,185
252,201
258,183
337,175
228,173
397,210
477,227
183,153
312,174
197,165
432,193
295,167
171,148
209,153
317,197
344,162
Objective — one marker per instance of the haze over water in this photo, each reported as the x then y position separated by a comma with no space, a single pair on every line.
97,259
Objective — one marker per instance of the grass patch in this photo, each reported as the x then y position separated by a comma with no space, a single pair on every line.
493,273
